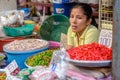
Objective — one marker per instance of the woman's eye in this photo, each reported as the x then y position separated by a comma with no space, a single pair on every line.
71,16
79,17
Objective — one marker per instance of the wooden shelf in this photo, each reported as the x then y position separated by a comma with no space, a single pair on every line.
37,3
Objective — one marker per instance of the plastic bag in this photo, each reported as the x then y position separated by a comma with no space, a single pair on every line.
11,17
58,63
42,73
2,34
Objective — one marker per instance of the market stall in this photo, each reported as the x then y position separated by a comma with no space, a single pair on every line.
37,50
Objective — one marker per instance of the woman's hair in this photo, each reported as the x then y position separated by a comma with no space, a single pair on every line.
87,11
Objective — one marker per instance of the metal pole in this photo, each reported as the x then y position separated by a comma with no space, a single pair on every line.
116,41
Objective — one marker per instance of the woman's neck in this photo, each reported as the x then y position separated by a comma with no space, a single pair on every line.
80,32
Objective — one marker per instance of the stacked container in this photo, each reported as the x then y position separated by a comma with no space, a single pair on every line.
63,6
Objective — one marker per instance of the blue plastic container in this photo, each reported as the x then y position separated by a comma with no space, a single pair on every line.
62,8
26,11
21,56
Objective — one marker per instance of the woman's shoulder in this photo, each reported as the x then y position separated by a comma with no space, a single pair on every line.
93,28
70,30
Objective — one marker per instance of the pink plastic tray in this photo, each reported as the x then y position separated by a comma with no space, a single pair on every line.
54,44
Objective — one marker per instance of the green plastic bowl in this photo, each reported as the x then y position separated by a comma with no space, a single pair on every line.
24,30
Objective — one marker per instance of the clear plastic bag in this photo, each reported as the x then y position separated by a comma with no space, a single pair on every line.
58,63
11,17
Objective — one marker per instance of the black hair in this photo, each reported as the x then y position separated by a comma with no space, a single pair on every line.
87,11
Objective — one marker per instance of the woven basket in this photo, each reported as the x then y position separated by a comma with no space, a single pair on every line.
53,26
27,29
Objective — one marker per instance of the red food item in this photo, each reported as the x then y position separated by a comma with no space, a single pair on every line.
93,51
15,72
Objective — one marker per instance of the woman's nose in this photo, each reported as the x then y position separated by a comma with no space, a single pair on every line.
74,20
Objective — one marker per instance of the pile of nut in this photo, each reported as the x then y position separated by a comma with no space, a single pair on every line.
26,44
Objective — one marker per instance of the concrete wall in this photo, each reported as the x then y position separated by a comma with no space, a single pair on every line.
8,5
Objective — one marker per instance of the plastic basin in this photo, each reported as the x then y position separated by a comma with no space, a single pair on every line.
20,56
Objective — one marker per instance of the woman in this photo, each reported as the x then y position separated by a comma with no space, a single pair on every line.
82,30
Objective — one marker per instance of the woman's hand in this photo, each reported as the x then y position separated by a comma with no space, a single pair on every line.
70,46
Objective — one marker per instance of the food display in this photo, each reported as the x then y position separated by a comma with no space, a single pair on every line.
45,74
23,30
24,73
41,73
13,22
26,44
12,18
2,56
15,72
17,24
20,50
40,59
91,55
91,52
3,75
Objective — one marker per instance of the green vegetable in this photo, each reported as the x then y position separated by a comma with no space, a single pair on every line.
40,59
1,57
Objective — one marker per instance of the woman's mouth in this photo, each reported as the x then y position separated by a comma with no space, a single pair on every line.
74,27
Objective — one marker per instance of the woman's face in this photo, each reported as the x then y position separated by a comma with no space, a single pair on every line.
78,20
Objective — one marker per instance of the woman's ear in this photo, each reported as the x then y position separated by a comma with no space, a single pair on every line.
89,21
